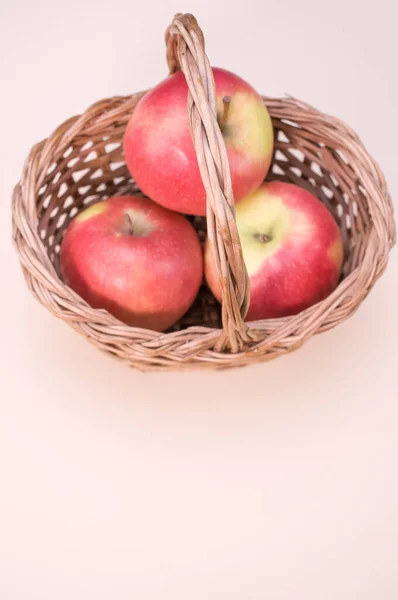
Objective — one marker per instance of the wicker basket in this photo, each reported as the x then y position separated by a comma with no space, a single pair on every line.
82,162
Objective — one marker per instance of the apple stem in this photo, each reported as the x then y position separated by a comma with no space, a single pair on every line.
226,104
128,223
262,237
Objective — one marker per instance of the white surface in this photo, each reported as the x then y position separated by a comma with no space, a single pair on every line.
277,481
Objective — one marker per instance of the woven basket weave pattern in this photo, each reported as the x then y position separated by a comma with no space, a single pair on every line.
82,162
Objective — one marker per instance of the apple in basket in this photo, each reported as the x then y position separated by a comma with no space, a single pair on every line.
140,261
292,249
160,154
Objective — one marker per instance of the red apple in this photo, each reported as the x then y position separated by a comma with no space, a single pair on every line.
159,151
292,249
138,260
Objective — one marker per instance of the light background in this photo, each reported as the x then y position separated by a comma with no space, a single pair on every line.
277,481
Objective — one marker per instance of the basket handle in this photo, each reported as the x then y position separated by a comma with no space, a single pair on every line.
186,51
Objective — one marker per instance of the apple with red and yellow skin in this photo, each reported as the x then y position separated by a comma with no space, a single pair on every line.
292,248
134,258
159,151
